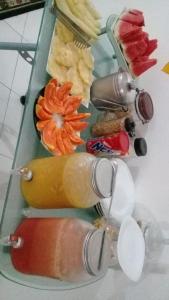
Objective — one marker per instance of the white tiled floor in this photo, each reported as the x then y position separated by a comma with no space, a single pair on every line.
14,80
23,69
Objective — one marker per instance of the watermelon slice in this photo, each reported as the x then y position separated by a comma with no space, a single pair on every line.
125,30
135,12
133,37
152,45
141,58
145,36
137,68
134,49
134,19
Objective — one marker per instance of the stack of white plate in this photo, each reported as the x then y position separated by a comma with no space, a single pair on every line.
124,195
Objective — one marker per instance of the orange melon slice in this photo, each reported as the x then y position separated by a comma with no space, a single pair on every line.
75,139
78,125
48,135
59,141
72,136
67,143
41,124
75,117
41,113
72,104
64,90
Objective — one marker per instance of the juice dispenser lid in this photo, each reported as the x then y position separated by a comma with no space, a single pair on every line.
102,177
96,262
144,106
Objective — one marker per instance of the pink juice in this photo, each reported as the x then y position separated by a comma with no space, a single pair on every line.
52,247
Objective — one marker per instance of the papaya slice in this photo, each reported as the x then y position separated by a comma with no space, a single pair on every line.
40,100
41,124
78,125
54,81
72,136
54,107
48,135
75,117
67,143
59,141
76,139
49,90
72,104
56,151
53,104
41,113
64,90
68,128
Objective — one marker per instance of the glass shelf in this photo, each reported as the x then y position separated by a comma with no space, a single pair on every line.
29,147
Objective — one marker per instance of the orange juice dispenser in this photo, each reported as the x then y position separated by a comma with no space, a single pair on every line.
79,180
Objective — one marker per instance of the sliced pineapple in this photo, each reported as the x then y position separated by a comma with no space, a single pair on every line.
76,52
64,33
73,76
64,55
85,72
57,71
88,58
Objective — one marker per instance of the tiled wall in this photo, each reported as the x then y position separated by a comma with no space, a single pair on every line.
14,79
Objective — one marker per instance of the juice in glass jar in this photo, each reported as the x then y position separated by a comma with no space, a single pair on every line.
67,181
63,248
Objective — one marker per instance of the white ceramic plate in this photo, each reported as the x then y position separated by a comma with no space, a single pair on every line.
124,194
131,249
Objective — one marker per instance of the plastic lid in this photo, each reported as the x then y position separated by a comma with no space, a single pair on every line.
140,146
102,177
130,125
131,249
95,261
144,106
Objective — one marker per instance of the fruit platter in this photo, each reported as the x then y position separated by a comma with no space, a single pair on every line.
80,121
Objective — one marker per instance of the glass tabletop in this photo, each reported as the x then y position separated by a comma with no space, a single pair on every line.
29,147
